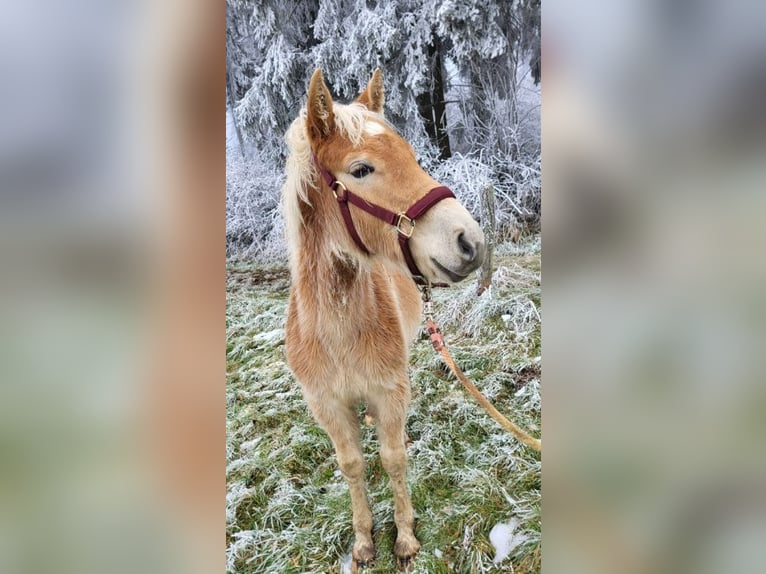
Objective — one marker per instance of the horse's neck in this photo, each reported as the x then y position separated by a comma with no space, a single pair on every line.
333,286
337,297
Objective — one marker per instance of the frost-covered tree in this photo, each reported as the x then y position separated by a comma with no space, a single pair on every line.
274,47
487,41
398,36
238,63
269,53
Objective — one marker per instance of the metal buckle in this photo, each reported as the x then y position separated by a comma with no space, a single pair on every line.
335,186
407,233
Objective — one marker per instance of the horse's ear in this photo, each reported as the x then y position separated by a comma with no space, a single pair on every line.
373,96
320,120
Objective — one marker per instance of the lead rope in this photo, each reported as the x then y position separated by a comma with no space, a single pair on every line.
438,342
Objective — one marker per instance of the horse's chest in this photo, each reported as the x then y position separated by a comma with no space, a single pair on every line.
368,341
354,334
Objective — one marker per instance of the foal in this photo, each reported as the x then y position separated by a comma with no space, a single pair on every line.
354,307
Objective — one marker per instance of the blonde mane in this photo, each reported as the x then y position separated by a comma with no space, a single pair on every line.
300,170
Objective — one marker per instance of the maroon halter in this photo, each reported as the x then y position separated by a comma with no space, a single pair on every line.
404,222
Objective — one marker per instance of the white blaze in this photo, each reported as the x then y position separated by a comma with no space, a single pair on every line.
373,128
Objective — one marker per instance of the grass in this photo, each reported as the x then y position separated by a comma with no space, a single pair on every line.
288,510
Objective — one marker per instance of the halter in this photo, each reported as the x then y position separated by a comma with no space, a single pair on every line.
403,222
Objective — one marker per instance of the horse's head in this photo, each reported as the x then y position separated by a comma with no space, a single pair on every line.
367,158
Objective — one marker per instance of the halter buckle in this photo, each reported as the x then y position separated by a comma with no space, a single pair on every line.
406,232
334,186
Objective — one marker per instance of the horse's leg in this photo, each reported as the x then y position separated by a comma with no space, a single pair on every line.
391,410
370,418
342,425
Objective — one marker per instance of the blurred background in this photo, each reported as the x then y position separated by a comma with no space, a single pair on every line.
111,286
653,283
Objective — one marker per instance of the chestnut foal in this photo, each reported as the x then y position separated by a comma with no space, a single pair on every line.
364,222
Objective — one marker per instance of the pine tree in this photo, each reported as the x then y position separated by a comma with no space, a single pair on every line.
273,46
270,49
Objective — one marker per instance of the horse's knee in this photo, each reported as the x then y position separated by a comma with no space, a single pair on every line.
351,467
394,459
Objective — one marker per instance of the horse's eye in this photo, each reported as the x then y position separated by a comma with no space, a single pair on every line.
362,171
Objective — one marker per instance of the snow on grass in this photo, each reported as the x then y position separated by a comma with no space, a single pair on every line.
530,245
504,539
287,507
346,564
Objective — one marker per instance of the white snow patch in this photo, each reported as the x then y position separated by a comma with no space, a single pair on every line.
273,337
438,553
249,445
345,564
504,540
237,493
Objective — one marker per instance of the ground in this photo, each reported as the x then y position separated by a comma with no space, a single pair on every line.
288,509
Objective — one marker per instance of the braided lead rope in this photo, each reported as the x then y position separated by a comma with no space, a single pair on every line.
439,346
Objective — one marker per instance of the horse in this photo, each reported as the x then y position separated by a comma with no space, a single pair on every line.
365,224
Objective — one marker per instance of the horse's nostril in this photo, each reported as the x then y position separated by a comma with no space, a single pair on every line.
467,250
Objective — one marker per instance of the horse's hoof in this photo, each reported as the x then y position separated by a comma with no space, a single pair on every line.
405,552
362,557
357,566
